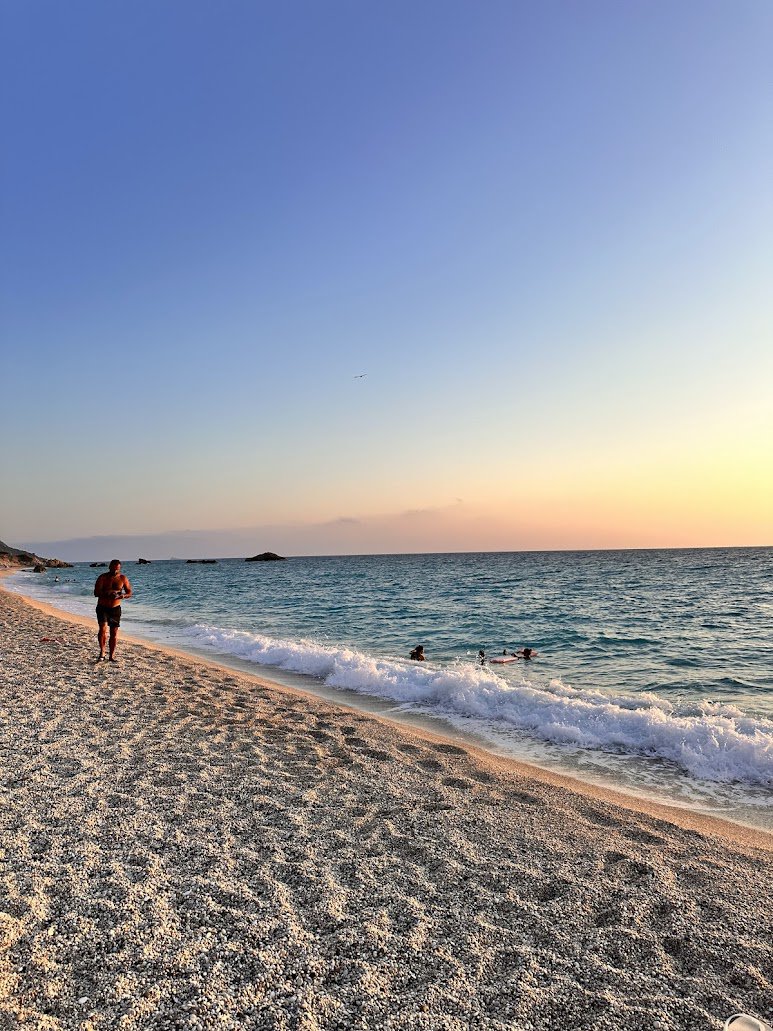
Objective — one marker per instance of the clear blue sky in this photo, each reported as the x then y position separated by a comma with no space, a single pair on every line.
543,231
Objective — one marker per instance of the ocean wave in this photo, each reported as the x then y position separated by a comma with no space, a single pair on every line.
710,740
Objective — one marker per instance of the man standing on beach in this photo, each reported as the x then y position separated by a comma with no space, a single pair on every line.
109,590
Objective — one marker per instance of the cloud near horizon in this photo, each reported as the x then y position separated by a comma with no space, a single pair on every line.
445,528
619,520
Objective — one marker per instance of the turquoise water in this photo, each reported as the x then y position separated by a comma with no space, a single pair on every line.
655,668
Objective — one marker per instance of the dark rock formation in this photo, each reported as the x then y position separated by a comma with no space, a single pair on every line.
143,561
98,565
267,556
13,558
39,568
201,561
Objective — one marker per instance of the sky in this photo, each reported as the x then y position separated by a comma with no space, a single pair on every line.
342,277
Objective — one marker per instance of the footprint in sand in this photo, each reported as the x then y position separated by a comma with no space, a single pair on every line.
551,890
609,917
643,837
600,819
685,958
449,749
628,869
523,798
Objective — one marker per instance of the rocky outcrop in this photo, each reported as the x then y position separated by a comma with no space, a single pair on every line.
201,561
13,558
143,561
267,556
98,565
17,558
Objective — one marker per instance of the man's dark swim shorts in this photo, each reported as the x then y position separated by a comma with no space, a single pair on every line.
109,615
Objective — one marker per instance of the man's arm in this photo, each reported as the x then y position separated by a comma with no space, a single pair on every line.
127,587
98,586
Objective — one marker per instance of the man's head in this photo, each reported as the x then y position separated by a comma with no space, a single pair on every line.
115,566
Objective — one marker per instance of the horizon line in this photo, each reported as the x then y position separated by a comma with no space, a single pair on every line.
485,551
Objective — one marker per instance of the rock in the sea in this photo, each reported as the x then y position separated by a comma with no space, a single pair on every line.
143,561
39,567
266,556
97,565
201,561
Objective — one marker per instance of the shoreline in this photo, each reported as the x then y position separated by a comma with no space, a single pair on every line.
186,846
679,815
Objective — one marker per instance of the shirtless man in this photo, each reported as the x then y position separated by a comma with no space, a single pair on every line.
109,589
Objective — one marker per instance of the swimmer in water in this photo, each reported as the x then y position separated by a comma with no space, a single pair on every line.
417,653
526,653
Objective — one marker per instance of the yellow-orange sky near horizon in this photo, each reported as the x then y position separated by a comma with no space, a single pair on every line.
375,268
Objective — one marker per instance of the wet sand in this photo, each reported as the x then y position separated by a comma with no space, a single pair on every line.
184,846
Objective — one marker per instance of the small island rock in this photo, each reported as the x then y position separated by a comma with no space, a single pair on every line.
266,556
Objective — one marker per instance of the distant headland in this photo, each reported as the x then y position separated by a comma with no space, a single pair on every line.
17,558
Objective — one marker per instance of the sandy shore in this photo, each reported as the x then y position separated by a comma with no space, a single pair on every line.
185,846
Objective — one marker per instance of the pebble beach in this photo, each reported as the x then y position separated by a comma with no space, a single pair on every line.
185,846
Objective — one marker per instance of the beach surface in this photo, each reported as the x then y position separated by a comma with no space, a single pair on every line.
185,846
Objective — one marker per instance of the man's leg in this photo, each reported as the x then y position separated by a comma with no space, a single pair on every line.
102,638
113,640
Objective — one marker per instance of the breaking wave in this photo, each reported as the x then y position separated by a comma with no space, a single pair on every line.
709,740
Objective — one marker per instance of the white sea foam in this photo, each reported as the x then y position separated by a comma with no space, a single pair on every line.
709,740
712,741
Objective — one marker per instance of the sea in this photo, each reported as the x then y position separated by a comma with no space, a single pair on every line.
653,672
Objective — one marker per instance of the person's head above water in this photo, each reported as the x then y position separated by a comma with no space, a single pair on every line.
526,652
